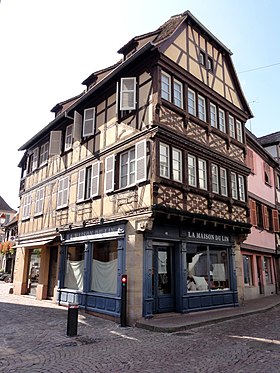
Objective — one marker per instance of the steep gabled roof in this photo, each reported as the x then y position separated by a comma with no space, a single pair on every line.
4,206
272,138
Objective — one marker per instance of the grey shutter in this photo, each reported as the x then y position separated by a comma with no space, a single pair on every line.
89,122
55,143
35,159
65,191
141,161
77,127
81,185
60,193
95,179
109,173
128,94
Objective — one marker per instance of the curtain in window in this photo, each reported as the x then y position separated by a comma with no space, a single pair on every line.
104,276
74,275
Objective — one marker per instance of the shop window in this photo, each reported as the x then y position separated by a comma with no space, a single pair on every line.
247,270
207,268
74,267
267,269
105,267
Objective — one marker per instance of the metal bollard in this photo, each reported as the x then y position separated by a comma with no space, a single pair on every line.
72,319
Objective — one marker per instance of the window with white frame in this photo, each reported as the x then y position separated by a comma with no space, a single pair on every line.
241,188
63,191
39,201
202,174
127,168
191,102
35,159
88,182
201,108
44,153
192,170
89,122
222,122
231,126
164,160
166,86
239,133
213,115
215,179
223,179
177,164
128,94
26,206
68,137
233,185
178,93
267,269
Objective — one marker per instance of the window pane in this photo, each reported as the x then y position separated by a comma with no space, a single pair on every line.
202,174
247,270
164,160
177,164
178,94
231,126
213,115
224,189
222,125
74,267
197,268
201,108
239,131
192,170
105,267
165,87
233,185
267,269
241,188
191,102
219,268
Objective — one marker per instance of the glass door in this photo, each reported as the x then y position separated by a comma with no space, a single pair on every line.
163,279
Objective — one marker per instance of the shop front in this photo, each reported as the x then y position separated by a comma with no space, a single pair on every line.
188,269
92,260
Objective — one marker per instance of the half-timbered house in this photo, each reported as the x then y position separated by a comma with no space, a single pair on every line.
144,174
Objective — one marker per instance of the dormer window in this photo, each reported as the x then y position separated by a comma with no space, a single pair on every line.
89,122
202,59
210,64
128,94
68,137
44,153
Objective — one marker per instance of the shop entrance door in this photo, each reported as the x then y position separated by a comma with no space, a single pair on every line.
163,279
52,271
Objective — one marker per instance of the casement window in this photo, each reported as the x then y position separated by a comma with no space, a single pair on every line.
234,185
39,201
267,173
176,164
210,64
89,122
215,179
68,137
35,159
26,206
88,182
270,219
202,59
223,180
127,168
231,126
44,153
166,86
247,270
259,215
239,133
202,174
164,160
222,122
191,102
128,94
241,188
213,115
250,160
267,269
178,93
192,170
201,108
63,191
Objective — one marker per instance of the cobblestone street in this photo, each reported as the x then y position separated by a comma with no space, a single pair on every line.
33,339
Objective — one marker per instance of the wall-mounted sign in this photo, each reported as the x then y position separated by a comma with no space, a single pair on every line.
202,236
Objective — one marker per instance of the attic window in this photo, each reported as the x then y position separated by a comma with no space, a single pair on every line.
128,94
210,64
267,177
202,59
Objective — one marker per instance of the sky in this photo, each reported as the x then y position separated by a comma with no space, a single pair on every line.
48,47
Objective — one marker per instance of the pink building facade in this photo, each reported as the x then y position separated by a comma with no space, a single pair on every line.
259,249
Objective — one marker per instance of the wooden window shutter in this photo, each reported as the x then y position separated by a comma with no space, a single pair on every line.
65,191
109,173
81,185
55,143
60,192
250,160
95,179
77,128
141,161
128,94
89,122
265,217
253,212
276,222
35,159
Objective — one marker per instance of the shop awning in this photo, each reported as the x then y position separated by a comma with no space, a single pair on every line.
35,243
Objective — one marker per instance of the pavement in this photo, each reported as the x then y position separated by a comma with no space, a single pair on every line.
174,322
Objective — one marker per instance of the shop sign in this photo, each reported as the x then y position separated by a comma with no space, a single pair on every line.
202,236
